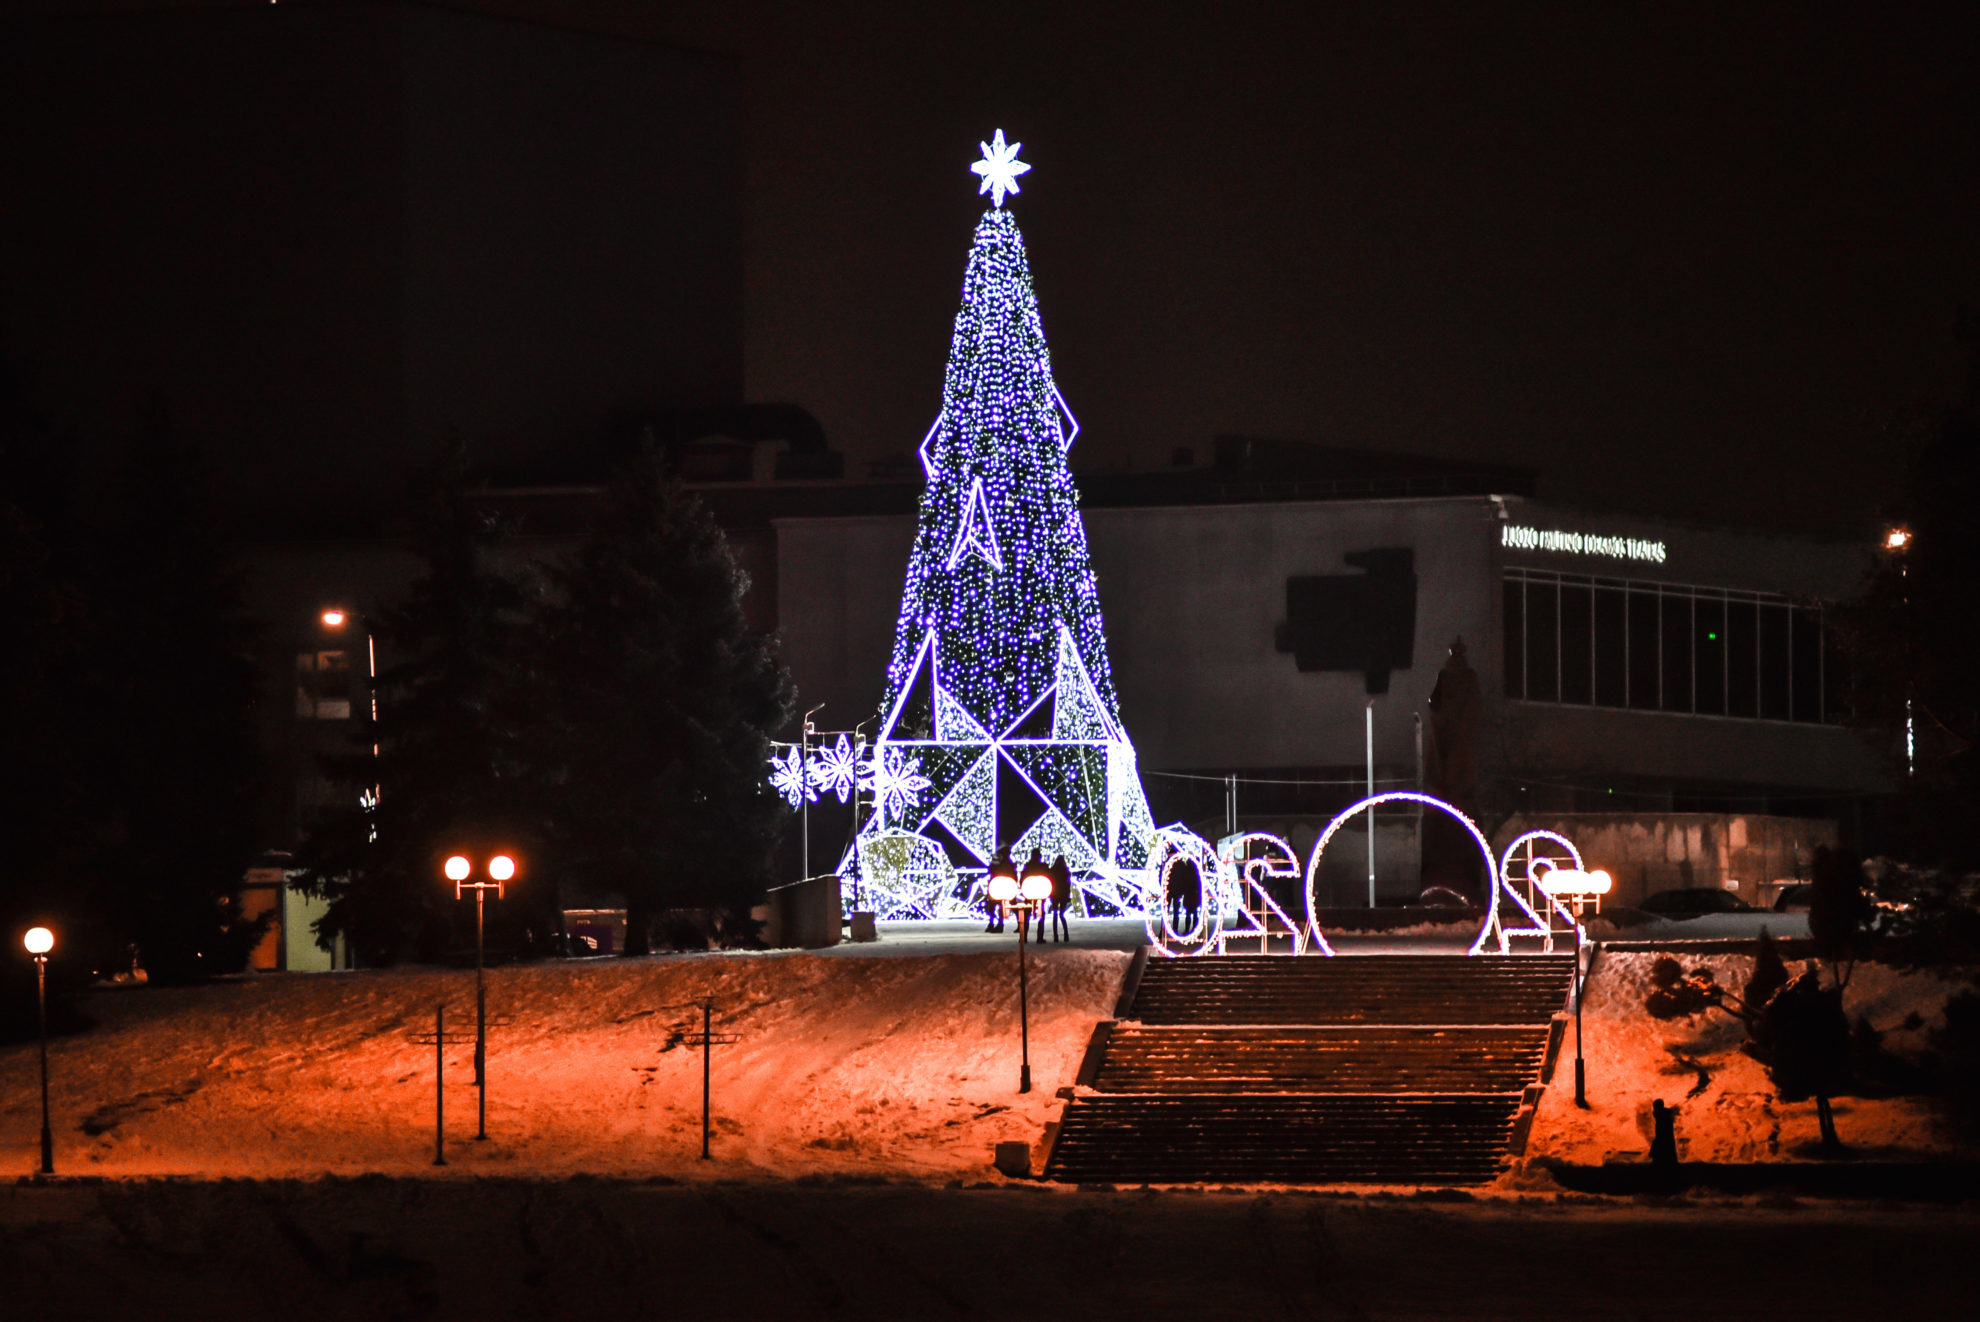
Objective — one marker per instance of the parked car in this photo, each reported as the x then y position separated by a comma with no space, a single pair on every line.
1694,902
1793,899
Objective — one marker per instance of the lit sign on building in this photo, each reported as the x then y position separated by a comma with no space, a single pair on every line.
1580,543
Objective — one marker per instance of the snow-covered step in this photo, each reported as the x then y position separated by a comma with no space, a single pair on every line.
1375,989
1305,1139
1199,1059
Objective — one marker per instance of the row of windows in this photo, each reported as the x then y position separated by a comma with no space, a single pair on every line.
1665,647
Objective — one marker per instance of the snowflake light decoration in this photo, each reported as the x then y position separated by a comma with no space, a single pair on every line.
836,768
999,168
790,777
895,781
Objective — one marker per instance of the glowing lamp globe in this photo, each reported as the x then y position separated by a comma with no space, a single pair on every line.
1038,886
1573,881
39,941
333,619
501,867
458,868
1003,889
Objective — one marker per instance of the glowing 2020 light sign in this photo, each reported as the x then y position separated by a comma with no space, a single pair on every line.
1521,538
1238,904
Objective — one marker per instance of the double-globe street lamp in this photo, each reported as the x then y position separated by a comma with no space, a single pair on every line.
39,941
1024,897
500,869
1580,890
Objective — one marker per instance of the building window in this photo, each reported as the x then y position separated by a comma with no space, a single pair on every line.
1608,642
323,686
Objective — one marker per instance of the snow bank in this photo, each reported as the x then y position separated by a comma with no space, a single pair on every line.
904,1067
1727,1108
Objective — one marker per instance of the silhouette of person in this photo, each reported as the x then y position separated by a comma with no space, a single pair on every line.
1663,1143
1061,897
1000,866
1032,866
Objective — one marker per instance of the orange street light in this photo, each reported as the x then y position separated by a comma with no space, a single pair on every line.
333,618
1897,539
500,869
39,941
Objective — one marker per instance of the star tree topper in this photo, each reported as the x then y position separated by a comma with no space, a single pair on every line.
999,168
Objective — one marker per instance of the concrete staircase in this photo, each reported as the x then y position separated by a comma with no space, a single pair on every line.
1392,1069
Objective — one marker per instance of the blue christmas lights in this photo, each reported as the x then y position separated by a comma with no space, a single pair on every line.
1000,725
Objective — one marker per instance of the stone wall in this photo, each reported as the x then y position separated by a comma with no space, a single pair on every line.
1648,852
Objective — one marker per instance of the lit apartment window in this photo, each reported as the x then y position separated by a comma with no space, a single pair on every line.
1603,642
323,686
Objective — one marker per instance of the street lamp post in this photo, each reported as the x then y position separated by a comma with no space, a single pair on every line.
1023,898
39,941
1580,890
501,868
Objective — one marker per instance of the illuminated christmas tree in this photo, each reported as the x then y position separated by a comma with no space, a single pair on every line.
1000,724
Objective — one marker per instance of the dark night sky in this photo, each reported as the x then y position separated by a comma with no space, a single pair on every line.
1703,260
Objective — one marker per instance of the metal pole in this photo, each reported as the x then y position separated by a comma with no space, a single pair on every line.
1371,811
440,1084
707,1050
480,1015
41,1007
1580,1072
1024,1017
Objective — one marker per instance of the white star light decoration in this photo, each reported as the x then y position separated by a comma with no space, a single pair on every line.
895,780
791,777
836,768
999,168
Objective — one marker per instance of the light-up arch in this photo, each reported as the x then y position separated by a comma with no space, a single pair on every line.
1488,928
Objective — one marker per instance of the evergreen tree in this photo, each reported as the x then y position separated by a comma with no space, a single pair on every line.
50,811
449,769
176,665
1912,637
1000,724
126,707
660,702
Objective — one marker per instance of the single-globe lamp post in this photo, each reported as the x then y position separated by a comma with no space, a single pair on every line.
1580,890
39,941
500,869
1023,898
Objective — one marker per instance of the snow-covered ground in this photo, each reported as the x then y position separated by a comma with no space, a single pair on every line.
897,1059
904,1066
1727,1108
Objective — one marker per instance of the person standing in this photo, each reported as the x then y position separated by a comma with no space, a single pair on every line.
1000,866
1061,896
1032,867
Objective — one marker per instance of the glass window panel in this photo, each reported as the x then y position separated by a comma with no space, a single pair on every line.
1611,660
1642,624
1709,648
1742,652
1677,651
1577,643
1543,642
1805,668
1774,705
1515,631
